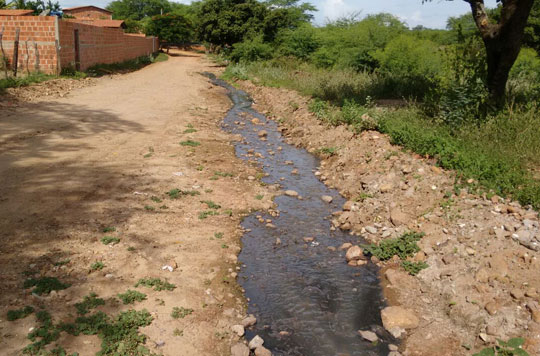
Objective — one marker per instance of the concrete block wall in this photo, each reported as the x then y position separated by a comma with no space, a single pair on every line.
98,45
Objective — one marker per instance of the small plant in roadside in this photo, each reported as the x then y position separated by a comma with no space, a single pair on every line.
511,347
109,229
223,174
211,204
131,249
155,283
164,207
155,199
149,208
19,313
189,130
224,246
228,212
259,197
62,262
180,312
44,285
97,266
205,214
331,151
403,246
199,168
178,332
90,301
218,235
190,143
131,296
107,240
176,193
413,267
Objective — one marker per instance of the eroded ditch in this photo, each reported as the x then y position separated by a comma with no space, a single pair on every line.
306,298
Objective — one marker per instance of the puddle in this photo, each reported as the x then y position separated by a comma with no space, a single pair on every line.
303,289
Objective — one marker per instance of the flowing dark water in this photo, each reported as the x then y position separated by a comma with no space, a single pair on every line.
302,288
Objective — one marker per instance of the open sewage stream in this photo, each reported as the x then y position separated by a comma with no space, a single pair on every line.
306,299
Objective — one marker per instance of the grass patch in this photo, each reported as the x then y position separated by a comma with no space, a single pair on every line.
97,266
330,151
24,81
108,240
19,313
180,312
211,204
131,296
176,193
188,131
155,199
403,246
149,208
44,285
62,263
155,283
204,214
109,229
190,143
89,302
161,57
512,347
218,235
413,267
223,174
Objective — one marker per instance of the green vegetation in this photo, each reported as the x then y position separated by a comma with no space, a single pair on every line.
218,235
107,240
413,267
19,313
62,263
44,285
89,302
327,150
131,296
155,283
511,347
97,266
155,199
259,197
403,246
190,143
23,81
205,214
180,312
211,204
189,130
176,193
109,229
149,208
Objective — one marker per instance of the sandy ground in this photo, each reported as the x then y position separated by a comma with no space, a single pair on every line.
104,155
483,280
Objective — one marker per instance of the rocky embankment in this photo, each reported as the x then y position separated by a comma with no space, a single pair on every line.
482,282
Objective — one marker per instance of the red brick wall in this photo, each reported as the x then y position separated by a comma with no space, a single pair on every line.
97,44
34,29
100,45
93,14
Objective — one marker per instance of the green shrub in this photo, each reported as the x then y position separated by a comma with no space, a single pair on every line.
251,50
300,42
403,246
19,313
131,296
180,313
90,301
44,285
107,240
155,283
413,267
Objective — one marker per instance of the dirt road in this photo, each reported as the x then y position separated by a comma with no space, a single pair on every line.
98,163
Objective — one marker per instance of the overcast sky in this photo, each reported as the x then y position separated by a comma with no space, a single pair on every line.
413,12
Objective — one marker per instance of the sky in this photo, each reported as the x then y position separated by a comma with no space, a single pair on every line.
430,14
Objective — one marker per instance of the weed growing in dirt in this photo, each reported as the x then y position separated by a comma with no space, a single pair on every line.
90,301
44,285
223,174
131,296
131,249
331,151
97,266
149,208
362,196
155,283
211,204
109,229
228,212
218,235
176,193
180,312
207,213
259,197
107,240
19,313
224,246
164,207
42,335
199,168
413,267
178,332
511,347
155,199
190,143
62,262
403,246
190,130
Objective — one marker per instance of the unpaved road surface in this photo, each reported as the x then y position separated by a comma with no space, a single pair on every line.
104,156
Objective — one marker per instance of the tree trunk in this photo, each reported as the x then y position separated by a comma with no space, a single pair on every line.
502,41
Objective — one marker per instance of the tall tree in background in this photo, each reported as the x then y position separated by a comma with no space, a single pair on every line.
502,40
170,29
138,9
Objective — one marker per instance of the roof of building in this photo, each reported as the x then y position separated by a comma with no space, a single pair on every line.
15,12
84,7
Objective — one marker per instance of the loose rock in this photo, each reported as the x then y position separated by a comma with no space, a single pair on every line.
256,342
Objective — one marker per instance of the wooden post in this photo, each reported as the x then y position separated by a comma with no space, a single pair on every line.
4,59
27,58
36,54
58,67
16,51
77,51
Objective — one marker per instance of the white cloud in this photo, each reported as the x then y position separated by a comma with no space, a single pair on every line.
333,9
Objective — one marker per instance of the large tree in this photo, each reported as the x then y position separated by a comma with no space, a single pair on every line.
502,39
170,29
138,9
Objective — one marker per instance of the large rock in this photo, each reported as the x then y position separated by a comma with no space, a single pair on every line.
399,317
248,321
354,253
262,351
238,330
239,350
256,342
368,335
291,193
